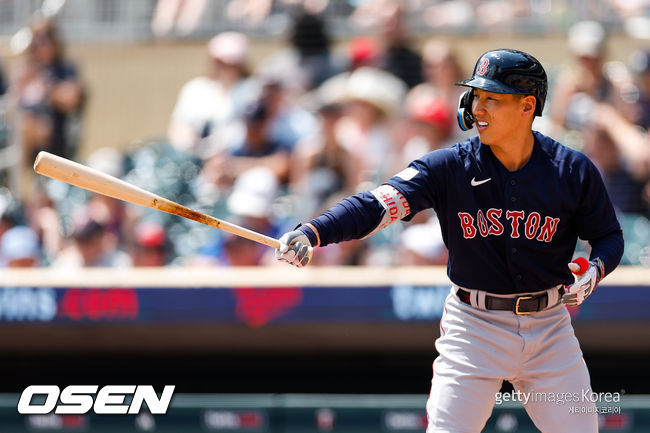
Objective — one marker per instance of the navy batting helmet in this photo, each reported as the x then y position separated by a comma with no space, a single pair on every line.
510,71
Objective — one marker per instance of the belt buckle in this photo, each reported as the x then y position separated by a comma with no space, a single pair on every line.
519,298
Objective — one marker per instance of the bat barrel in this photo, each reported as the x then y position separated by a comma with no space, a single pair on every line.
90,179
87,178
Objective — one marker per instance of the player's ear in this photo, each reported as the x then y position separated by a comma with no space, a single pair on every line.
528,103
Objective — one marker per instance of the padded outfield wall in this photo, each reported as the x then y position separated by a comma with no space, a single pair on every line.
363,336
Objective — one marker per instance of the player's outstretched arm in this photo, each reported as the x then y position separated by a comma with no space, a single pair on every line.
355,217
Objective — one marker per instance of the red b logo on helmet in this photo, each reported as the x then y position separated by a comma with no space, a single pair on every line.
482,67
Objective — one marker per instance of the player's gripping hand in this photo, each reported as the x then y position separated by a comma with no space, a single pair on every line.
588,274
295,249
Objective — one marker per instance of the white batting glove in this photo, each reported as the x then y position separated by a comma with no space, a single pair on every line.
295,249
586,281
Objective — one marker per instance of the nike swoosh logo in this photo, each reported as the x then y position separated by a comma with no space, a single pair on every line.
475,182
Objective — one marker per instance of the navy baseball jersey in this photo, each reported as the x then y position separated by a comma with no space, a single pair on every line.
507,232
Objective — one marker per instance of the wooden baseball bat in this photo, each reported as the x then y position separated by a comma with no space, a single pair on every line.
101,183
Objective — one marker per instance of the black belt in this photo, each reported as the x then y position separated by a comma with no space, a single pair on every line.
524,304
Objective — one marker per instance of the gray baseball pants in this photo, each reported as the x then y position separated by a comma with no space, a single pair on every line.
538,353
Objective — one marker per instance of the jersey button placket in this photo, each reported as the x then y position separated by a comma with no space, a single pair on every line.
510,192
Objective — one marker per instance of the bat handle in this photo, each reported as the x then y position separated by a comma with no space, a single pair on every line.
169,206
249,234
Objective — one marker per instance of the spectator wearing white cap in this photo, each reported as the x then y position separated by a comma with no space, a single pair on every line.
20,248
422,245
372,101
250,205
320,165
207,105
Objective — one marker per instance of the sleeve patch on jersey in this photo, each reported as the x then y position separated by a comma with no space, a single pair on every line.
407,174
395,205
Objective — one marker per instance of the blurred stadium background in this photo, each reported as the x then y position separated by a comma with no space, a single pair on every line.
95,292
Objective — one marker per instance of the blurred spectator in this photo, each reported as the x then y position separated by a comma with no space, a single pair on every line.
10,211
452,14
399,58
422,245
429,127
288,121
630,9
581,84
250,12
111,211
92,244
386,18
19,248
4,130
321,166
257,148
207,105
251,205
442,70
183,16
363,51
47,91
311,42
640,66
373,99
45,220
3,82
622,152
496,14
151,246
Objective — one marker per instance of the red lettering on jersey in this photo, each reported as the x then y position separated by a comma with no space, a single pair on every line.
482,223
514,216
467,223
548,229
493,215
532,224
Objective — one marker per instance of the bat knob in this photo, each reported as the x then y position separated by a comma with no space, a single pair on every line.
37,161
582,266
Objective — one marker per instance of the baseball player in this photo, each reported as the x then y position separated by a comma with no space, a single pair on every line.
511,204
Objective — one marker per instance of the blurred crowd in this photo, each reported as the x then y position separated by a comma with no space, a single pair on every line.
269,147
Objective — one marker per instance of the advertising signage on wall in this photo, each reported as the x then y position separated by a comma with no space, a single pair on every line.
261,306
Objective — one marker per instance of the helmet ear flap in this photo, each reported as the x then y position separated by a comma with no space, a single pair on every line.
465,117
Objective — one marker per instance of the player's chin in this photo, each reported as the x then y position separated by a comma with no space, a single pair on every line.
485,138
